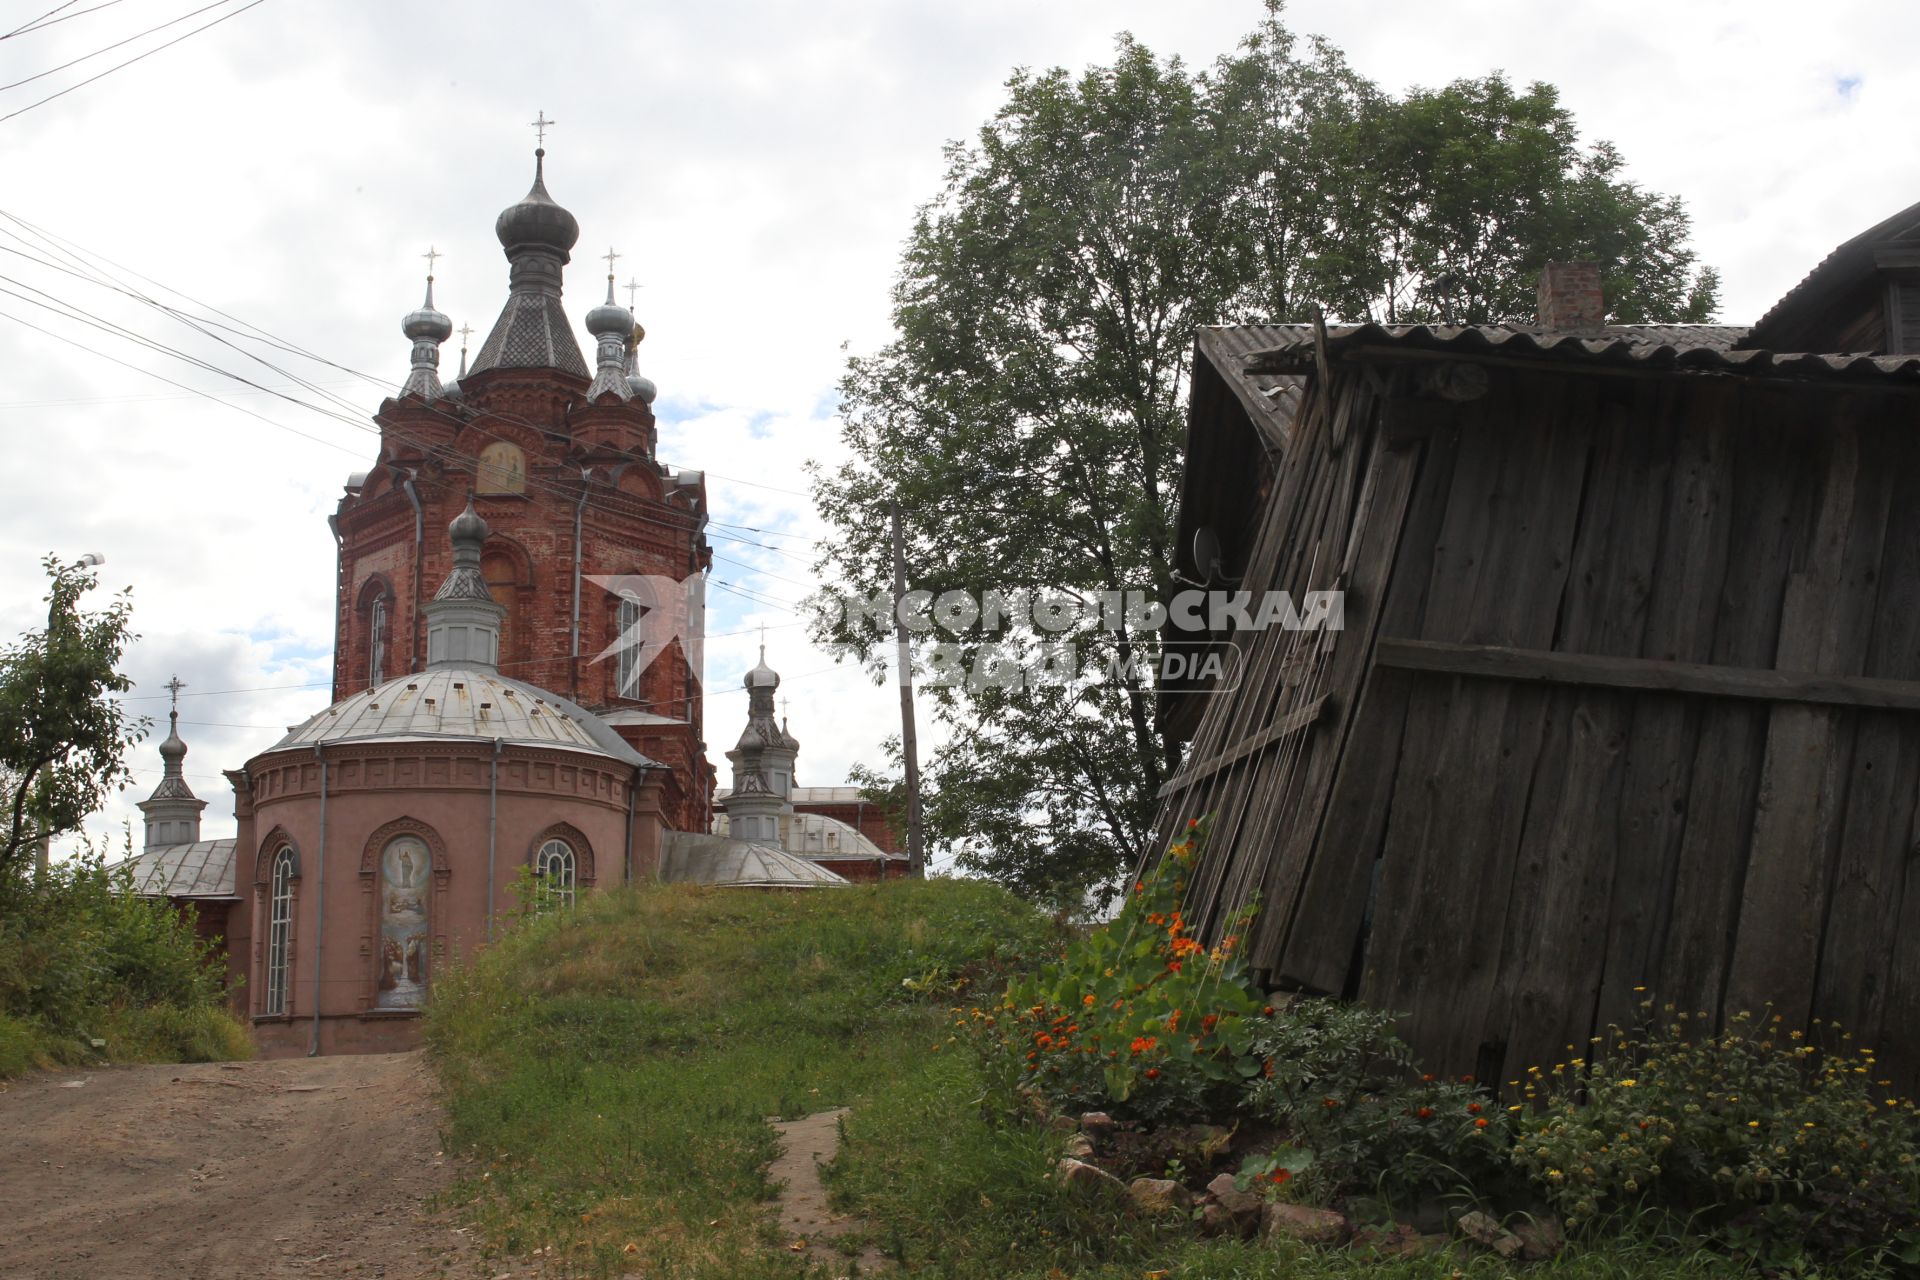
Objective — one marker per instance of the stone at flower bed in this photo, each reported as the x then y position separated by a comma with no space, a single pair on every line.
1078,1173
1095,1121
1158,1195
1484,1229
1540,1238
1062,1123
1079,1146
1400,1240
1304,1223
1241,1207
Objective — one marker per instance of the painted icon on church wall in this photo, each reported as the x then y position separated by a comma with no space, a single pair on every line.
503,469
404,868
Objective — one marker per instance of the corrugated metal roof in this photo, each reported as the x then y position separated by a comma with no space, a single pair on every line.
689,857
814,835
1834,271
1271,400
463,702
203,869
1703,349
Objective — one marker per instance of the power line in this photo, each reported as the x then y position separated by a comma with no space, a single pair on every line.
130,61
110,48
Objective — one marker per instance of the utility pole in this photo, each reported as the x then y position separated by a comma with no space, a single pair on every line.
909,745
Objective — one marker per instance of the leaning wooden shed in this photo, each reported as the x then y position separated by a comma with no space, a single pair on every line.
1628,690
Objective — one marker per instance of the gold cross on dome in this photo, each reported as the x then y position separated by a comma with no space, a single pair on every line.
632,287
610,257
431,254
466,331
540,126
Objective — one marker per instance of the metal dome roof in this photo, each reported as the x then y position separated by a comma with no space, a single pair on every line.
460,702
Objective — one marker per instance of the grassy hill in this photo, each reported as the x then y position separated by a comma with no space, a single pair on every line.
611,1071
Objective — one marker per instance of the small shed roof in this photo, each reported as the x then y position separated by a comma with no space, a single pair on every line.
201,870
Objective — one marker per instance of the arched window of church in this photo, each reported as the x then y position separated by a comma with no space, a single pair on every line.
503,469
555,867
279,930
405,890
627,635
377,641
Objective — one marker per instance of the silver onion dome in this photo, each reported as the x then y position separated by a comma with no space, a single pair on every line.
537,220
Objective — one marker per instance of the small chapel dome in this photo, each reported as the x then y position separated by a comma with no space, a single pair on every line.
763,676
609,317
537,220
468,526
173,750
427,323
643,389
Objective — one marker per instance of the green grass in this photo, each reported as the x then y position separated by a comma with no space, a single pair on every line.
612,1069
610,1072
134,1033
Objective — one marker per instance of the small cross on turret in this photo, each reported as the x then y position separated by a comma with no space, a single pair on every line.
633,287
540,126
430,255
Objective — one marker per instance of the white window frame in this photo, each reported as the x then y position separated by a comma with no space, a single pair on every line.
557,866
279,932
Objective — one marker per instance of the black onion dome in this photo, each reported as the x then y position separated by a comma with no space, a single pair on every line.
537,220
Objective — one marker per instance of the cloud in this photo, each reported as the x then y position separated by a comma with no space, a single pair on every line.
759,166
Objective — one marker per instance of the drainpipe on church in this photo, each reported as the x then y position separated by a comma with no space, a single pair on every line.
633,791
493,826
320,923
579,516
419,547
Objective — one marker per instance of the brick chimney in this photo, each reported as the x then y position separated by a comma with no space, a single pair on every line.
1570,298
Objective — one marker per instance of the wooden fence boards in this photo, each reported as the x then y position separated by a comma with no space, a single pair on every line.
1629,697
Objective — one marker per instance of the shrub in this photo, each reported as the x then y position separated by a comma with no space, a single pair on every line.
1756,1117
82,957
1137,1016
1344,1086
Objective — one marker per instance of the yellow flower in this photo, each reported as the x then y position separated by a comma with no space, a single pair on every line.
1628,1084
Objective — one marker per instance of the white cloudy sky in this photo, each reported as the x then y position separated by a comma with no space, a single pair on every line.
758,165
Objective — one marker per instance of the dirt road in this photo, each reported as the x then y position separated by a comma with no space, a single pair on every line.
313,1167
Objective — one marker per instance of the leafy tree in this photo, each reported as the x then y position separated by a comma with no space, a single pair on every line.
1028,418
63,737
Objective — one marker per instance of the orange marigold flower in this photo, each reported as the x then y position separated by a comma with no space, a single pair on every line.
1267,1011
1427,1079
1153,1073
1173,966
1329,1103
1473,1108
1087,999
1481,1123
1206,1023
1142,1044
1279,1176
1425,1113
1266,1068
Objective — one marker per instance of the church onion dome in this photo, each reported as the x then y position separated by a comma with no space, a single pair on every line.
642,388
763,676
468,533
537,220
611,324
473,704
427,323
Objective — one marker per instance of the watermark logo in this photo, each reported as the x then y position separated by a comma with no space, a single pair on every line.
1019,639
654,612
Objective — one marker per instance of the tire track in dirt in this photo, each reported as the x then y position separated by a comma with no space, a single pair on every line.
308,1167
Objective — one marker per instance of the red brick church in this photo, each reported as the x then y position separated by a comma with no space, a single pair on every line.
493,705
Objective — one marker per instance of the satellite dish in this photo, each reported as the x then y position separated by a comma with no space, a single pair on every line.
1206,552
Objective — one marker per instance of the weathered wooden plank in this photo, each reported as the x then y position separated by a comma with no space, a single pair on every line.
1775,468
1873,853
1554,959
1802,795
1330,911
1446,883
1690,565
1291,723
1503,662
1382,511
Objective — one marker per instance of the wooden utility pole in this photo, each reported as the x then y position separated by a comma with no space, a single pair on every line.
909,746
